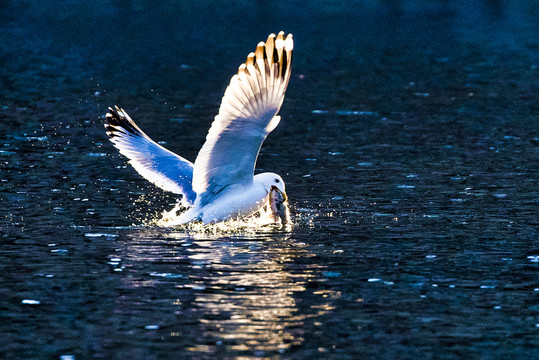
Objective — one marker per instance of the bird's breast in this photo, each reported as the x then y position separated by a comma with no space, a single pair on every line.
236,201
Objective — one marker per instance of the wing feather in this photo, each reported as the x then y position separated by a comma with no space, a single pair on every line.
246,116
160,166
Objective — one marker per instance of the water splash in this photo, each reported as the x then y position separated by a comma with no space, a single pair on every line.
261,222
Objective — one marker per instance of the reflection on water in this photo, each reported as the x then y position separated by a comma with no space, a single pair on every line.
257,308
242,291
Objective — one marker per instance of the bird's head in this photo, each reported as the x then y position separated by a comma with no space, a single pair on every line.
278,200
270,181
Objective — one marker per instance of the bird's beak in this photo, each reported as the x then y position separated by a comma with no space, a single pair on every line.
279,205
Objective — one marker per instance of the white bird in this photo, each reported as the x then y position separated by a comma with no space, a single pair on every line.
221,184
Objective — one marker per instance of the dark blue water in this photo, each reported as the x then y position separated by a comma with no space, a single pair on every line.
408,143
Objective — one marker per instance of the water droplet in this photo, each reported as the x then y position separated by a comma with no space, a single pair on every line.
30,302
431,256
403,186
60,251
533,258
91,235
373,280
351,112
151,327
166,275
197,287
67,357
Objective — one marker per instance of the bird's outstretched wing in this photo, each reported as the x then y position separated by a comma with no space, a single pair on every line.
246,116
160,166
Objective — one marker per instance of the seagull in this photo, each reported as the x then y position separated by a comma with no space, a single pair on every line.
221,184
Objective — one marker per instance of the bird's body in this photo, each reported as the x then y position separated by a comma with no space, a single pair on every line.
236,201
220,184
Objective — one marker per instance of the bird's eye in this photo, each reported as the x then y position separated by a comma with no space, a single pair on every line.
277,180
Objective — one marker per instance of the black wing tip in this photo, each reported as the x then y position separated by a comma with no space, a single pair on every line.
119,123
116,116
277,50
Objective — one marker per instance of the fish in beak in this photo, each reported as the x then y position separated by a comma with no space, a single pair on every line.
279,205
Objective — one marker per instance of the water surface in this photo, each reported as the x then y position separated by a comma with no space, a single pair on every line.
408,143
